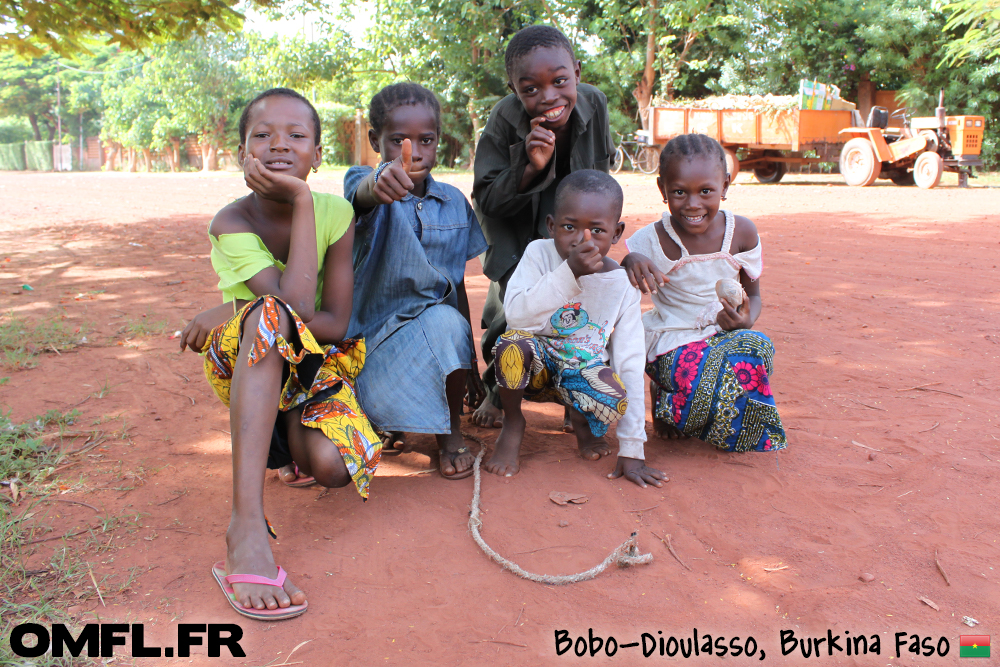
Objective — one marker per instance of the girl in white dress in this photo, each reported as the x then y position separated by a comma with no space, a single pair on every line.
709,368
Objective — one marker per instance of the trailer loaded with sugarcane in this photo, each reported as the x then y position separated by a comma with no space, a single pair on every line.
767,139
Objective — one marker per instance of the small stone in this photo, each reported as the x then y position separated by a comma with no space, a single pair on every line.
867,578
872,456
563,523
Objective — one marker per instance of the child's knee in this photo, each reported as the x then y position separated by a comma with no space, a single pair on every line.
281,322
328,468
514,356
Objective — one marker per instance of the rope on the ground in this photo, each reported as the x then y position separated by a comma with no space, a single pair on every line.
625,555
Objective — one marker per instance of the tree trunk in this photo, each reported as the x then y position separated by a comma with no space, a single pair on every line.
111,160
175,155
131,160
643,92
209,157
33,119
147,157
474,117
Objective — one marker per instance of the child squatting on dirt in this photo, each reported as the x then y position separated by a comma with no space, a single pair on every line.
414,236
709,370
576,332
283,256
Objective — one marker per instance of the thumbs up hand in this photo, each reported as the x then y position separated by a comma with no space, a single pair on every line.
585,257
394,182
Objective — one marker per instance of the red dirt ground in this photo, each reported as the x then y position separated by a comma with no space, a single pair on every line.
884,309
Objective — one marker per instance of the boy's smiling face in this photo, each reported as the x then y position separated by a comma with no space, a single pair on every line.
585,210
545,81
419,124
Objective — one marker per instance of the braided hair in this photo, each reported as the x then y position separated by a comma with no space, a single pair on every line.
534,37
277,92
400,95
689,146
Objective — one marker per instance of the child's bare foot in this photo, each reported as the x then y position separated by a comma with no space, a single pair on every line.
247,552
668,431
504,461
394,442
591,446
567,422
487,415
455,461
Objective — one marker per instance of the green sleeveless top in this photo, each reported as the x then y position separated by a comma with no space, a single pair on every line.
238,257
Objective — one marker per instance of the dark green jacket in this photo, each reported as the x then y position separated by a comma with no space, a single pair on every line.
511,220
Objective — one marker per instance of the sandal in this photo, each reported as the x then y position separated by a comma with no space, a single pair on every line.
300,481
451,456
226,580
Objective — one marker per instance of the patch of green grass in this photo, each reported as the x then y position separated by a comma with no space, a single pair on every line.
143,326
21,340
40,579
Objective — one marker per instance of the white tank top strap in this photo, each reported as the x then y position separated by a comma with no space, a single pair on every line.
669,229
727,240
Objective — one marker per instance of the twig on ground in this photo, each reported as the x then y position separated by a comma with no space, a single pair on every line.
178,394
855,442
92,578
775,508
554,546
73,502
419,472
941,569
936,424
904,494
645,509
519,615
739,463
220,430
497,641
670,548
179,495
775,569
293,651
919,386
870,407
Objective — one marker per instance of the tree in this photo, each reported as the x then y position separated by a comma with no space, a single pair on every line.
33,26
28,89
981,21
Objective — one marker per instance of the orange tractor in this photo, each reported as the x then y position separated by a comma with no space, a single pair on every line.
919,152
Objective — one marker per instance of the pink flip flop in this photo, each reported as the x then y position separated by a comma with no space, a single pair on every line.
226,581
300,482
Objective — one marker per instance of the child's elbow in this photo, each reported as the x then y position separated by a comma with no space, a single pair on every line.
306,312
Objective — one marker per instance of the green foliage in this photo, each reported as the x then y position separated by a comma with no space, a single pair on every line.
32,27
14,128
12,157
337,121
981,21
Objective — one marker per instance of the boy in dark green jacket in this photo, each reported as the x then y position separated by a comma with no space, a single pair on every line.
549,126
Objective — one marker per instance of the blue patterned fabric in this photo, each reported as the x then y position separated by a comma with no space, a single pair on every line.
718,390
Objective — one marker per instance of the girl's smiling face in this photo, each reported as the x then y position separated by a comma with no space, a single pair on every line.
545,80
419,124
281,134
693,189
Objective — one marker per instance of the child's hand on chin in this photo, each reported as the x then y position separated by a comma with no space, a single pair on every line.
730,319
637,472
585,258
270,184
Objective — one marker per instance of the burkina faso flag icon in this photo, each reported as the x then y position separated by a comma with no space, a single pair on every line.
974,646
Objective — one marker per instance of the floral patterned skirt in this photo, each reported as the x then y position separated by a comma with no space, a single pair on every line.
717,390
319,378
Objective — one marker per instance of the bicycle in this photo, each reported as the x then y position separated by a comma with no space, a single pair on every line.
639,153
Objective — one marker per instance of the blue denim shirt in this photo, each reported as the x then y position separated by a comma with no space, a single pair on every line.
408,255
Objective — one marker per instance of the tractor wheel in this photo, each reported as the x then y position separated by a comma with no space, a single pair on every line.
927,170
770,172
619,161
732,164
901,177
649,159
858,163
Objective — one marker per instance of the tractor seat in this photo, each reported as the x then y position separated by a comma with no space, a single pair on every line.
878,117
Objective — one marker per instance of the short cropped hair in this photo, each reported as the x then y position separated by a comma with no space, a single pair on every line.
400,95
534,37
688,146
592,181
278,92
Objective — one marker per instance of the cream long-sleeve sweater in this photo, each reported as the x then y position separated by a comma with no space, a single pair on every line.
585,318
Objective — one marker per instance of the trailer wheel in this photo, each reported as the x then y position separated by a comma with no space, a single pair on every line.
619,161
858,163
732,164
927,170
770,172
649,159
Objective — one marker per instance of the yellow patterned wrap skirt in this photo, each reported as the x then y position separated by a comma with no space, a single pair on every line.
327,397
